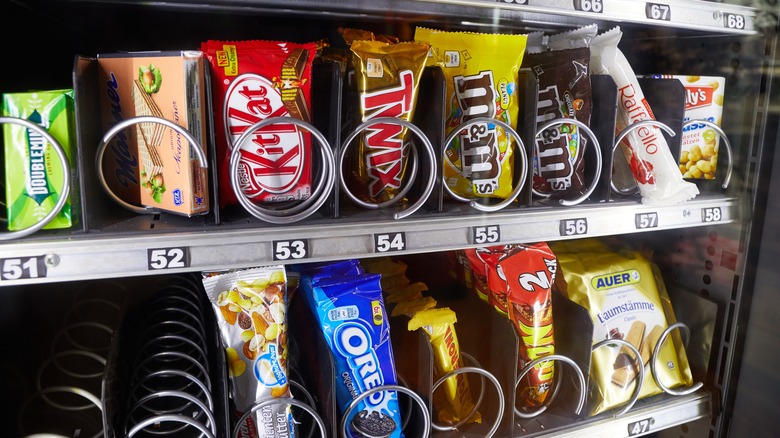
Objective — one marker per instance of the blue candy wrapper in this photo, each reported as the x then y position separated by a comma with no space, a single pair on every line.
352,316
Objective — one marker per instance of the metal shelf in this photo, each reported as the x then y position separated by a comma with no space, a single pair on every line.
115,254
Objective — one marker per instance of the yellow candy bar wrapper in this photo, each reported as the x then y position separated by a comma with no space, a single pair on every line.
406,293
481,75
439,325
410,307
626,300
384,265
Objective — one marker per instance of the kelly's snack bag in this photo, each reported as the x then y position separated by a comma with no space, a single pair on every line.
33,176
625,300
439,325
388,78
251,309
481,75
254,81
529,275
645,148
355,325
703,101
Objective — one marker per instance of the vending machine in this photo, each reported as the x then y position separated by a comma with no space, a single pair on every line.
389,218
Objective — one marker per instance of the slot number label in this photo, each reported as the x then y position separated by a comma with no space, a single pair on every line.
640,427
387,242
23,267
657,11
167,258
595,6
711,214
290,249
574,227
734,21
486,234
646,220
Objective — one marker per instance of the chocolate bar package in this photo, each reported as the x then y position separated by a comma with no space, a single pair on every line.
481,75
352,316
254,81
564,92
626,299
150,164
33,176
388,78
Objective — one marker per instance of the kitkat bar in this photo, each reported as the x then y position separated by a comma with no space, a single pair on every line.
254,81
388,77
529,274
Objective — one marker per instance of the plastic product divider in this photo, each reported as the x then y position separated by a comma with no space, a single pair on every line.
414,368
327,96
429,116
602,123
528,90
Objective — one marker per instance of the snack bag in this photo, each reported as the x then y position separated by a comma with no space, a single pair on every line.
251,309
353,320
254,81
439,325
703,101
33,174
564,92
476,265
529,275
621,293
481,75
388,78
646,150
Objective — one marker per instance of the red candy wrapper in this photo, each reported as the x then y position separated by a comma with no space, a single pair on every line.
529,274
253,81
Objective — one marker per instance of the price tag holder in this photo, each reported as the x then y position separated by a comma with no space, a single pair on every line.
595,6
574,227
640,427
485,234
387,242
23,267
513,2
644,221
167,258
733,21
295,249
658,11
711,214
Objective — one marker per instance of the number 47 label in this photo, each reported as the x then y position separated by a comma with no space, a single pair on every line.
640,427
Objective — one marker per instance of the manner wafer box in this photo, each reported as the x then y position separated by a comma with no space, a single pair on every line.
148,163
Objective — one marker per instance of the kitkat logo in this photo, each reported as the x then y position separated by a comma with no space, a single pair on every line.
272,160
698,96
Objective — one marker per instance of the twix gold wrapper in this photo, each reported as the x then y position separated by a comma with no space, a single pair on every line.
388,76
439,325
481,75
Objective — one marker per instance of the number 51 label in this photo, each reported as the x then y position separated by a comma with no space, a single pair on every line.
22,267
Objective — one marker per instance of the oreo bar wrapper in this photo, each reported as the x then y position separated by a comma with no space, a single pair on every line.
388,78
529,275
355,324
564,92
626,299
439,325
251,309
33,175
254,81
481,75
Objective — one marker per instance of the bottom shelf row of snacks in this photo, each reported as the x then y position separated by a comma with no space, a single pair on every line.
498,341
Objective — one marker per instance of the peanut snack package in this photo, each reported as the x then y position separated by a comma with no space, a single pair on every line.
481,75
655,171
439,325
388,78
251,309
626,300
